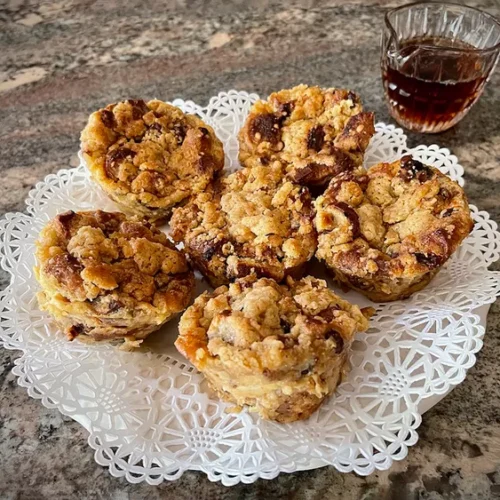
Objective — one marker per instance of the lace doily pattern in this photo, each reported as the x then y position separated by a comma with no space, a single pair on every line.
149,414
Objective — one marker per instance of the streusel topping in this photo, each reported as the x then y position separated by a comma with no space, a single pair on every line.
316,133
150,153
396,221
258,326
112,262
252,221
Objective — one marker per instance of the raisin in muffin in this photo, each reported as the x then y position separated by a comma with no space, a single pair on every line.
106,277
316,133
251,221
387,233
278,349
149,157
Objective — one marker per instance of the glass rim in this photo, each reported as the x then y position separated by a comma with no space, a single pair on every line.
447,49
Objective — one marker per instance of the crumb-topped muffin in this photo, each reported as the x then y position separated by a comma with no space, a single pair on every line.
279,349
106,277
254,220
387,233
149,157
316,133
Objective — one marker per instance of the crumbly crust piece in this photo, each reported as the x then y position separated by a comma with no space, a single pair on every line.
254,220
280,349
106,276
316,133
149,157
387,232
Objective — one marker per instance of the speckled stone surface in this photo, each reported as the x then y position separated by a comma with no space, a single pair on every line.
61,60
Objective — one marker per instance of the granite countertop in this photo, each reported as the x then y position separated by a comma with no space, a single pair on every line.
60,60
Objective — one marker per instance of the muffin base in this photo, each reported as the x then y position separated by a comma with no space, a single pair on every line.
216,280
400,293
157,217
77,322
282,401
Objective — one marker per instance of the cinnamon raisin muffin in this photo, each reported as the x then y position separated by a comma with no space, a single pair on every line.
387,233
106,277
149,157
254,220
278,349
316,133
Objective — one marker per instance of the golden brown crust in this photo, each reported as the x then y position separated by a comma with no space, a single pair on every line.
387,232
149,157
251,221
106,276
280,349
316,133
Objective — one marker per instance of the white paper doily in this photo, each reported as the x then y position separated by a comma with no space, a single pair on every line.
148,413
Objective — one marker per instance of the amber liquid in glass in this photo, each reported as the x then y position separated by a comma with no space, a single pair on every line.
428,90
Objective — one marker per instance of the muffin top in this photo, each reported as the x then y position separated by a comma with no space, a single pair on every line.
151,151
397,220
258,326
112,263
317,133
254,220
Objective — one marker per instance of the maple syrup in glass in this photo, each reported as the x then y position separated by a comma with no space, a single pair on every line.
434,68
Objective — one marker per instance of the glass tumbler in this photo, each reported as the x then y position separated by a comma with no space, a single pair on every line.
436,59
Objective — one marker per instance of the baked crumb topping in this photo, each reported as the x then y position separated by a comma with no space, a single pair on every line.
269,327
112,266
280,349
315,133
254,220
384,229
150,156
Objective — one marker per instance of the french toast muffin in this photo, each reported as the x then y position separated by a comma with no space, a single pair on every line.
107,277
387,232
149,157
253,221
316,133
278,349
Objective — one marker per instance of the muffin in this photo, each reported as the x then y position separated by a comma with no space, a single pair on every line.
107,277
278,349
387,233
316,133
253,221
149,157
